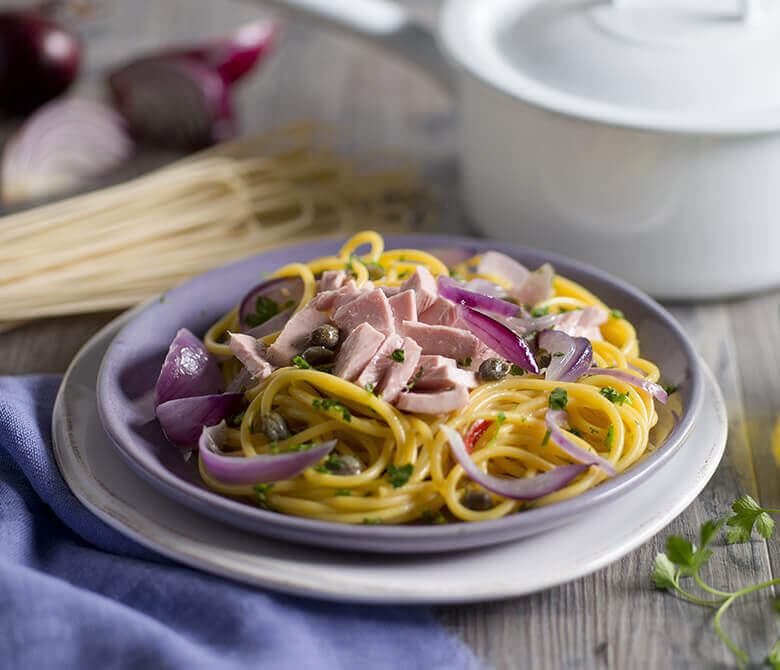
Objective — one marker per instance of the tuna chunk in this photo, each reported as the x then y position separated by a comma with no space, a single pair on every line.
390,291
295,336
443,340
357,350
424,286
397,375
251,352
404,307
434,403
429,362
582,322
442,312
330,300
331,280
371,307
375,369
504,267
537,287
443,377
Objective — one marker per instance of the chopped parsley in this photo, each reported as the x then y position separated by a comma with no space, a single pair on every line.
372,522
265,309
464,363
429,518
399,475
343,492
300,362
613,396
414,379
454,274
558,354
262,492
558,398
616,314
540,311
610,438
331,403
499,420
546,437
370,388
575,431
331,465
368,494
163,298
670,388
397,356
516,370
238,418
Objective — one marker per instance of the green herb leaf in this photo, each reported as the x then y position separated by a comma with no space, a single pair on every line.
236,420
429,518
300,362
262,491
546,438
399,475
747,514
558,398
709,530
370,388
372,522
616,314
398,356
265,309
343,492
664,572
575,431
774,656
669,388
414,379
613,396
332,403
464,363
610,438
540,311
499,421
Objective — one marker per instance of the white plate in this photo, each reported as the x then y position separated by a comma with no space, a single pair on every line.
99,477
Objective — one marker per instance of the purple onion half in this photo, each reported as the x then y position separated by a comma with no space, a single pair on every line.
570,357
189,370
524,488
183,419
555,419
458,293
258,469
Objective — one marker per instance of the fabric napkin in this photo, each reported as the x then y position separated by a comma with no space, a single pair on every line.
74,593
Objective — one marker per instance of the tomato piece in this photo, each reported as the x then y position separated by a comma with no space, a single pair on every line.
475,431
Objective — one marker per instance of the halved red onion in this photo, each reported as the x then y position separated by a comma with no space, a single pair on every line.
524,488
259,469
655,390
63,145
189,370
281,290
183,419
499,337
175,102
555,420
457,292
570,357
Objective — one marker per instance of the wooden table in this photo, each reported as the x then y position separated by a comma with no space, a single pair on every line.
613,618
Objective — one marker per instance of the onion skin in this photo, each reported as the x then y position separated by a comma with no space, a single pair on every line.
452,290
556,418
260,469
39,60
577,355
183,419
189,370
524,488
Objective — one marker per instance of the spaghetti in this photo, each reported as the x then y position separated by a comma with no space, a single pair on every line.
407,471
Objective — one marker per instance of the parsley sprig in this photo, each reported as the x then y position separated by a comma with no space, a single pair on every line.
684,559
331,403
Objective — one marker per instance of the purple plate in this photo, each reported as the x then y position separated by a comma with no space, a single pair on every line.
130,367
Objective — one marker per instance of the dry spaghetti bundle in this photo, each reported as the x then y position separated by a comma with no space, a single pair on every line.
120,245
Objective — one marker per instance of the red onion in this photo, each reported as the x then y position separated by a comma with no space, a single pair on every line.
576,358
555,419
485,287
500,338
175,102
63,145
524,488
457,292
655,390
39,60
528,324
188,370
183,419
258,469
281,291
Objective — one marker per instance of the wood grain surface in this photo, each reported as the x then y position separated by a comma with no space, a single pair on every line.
612,618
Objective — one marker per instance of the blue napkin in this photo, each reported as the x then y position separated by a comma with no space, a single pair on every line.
74,593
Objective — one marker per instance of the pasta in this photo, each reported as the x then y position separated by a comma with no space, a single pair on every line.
407,471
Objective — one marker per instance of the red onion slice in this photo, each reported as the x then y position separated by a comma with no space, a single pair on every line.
485,287
183,419
555,419
500,338
457,292
281,290
655,390
189,370
528,488
63,145
262,468
576,358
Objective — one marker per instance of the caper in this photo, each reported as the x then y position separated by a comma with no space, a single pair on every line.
375,271
275,427
324,336
318,356
494,369
477,500
344,464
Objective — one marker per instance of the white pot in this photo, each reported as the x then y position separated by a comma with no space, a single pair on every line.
643,139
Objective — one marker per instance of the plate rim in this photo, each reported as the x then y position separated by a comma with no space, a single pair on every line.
81,482
400,538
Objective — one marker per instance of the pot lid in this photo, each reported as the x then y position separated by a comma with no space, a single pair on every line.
691,66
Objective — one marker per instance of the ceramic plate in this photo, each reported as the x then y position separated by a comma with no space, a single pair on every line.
102,481
130,368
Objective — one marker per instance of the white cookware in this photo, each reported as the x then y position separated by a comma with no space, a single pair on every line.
642,136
